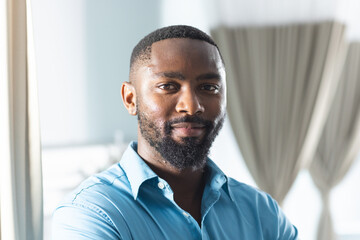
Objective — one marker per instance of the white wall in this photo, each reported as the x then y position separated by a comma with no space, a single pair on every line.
82,51
59,36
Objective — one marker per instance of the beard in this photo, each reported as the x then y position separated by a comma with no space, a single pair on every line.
192,152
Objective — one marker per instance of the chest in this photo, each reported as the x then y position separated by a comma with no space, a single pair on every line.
160,218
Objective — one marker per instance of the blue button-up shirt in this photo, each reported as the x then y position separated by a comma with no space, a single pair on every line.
129,201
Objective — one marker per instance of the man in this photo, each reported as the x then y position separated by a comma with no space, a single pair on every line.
165,187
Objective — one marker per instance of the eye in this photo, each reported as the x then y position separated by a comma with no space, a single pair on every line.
213,88
168,86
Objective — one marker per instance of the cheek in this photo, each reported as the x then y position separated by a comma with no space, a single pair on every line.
156,107
215,108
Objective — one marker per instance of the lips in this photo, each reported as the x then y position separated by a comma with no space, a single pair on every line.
188,129
187,125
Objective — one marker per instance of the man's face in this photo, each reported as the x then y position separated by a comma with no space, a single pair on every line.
180,100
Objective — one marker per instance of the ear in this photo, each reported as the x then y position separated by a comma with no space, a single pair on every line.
129,97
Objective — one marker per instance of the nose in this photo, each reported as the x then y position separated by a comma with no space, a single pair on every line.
189,103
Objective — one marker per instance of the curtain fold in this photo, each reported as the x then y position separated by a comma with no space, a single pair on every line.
20,166
281,81
340,141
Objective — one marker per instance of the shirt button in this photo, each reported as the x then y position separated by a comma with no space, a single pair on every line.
161,185
185,214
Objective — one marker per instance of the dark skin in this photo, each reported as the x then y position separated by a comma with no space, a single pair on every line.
183,77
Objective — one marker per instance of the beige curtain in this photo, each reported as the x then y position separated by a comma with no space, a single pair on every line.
20,161
340,141
280,82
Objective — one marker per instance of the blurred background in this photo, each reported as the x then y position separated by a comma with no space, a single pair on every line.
82,53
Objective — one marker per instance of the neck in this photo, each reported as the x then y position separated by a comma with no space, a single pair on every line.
188,187
180,180
187,184
183,182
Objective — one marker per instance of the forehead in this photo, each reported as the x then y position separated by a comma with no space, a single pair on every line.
184,54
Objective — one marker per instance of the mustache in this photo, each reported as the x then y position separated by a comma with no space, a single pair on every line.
190,119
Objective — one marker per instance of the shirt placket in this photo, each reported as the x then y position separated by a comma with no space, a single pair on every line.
210,197
168,193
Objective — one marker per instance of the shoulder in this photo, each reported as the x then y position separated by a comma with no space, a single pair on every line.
253,197
262,209
101,189
95,205
247,192
101,184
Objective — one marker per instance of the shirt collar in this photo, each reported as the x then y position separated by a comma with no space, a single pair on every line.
216,179
137,171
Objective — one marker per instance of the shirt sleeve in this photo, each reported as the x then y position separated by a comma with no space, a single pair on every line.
275,225
79,222
286,230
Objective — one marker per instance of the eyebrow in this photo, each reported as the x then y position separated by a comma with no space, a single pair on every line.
208,76
177,75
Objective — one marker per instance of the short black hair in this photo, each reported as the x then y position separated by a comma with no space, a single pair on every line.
143,49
